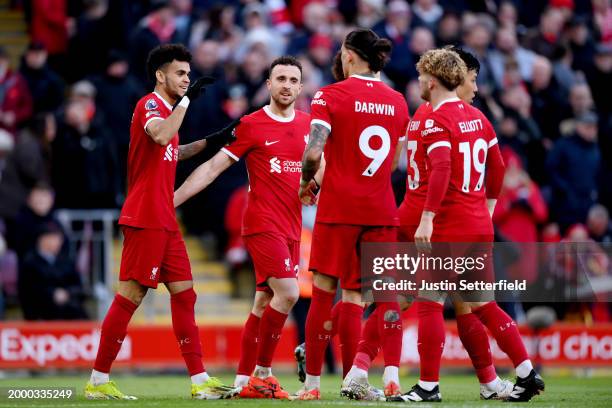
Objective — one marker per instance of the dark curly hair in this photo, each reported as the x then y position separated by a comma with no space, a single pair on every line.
165,54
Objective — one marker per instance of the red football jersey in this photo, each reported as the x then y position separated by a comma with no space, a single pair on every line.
366,119
151,170
411,208
274,147
469,135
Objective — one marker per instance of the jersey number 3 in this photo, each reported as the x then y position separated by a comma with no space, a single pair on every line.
379,155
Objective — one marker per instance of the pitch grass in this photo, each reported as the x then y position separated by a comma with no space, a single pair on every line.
173,391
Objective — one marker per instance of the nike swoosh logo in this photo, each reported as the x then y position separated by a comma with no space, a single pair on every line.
271,143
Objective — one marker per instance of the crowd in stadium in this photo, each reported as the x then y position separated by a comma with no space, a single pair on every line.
65,110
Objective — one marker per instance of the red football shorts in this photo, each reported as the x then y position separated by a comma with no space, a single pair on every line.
274,256
335,250
151,256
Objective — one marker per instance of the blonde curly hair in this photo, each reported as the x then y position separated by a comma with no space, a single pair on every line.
445,65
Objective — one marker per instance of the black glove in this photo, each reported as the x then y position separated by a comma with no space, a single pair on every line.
198,87
225,135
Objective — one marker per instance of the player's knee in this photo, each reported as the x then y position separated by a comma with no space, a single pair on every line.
324,282
260,304
288,298
133,291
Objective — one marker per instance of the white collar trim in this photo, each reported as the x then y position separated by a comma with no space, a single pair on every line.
165,101
365,78
453,99
276,117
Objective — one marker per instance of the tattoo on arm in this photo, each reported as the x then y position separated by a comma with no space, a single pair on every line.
314,150
191,149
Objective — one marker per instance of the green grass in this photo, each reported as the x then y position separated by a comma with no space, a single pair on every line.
173,391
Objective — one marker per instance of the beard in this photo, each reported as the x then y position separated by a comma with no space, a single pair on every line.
279,101
425,94
337,70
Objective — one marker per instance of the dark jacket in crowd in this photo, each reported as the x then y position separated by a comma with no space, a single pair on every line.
46,87
573,168
39,277
85,172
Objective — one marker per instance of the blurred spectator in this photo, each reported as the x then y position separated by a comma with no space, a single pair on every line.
422,39
545,38
448,31
316,20
369,12
599,78
33,215
598,224
602,18
562,70
91,41
523,137
427,13
252,74
580,102
507,15
573,168
15,99
46,87
546,96
50,27
507,47
320,54
85,171
396,27
520,209
26,165
117,94
581,43
477,39
157,27
219,25
50,287
258,34
183,19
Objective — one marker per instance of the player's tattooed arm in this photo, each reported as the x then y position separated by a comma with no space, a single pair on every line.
312,155
189,150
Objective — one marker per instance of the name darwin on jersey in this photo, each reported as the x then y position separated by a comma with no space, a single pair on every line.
374,108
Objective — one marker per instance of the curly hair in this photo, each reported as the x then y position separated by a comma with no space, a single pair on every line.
445,65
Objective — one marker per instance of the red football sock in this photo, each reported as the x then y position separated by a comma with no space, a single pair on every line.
390,331
476,342
318,330
504,330
248,346
186,330
369,345
335,316
430,339
270,329
349,330
114,329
